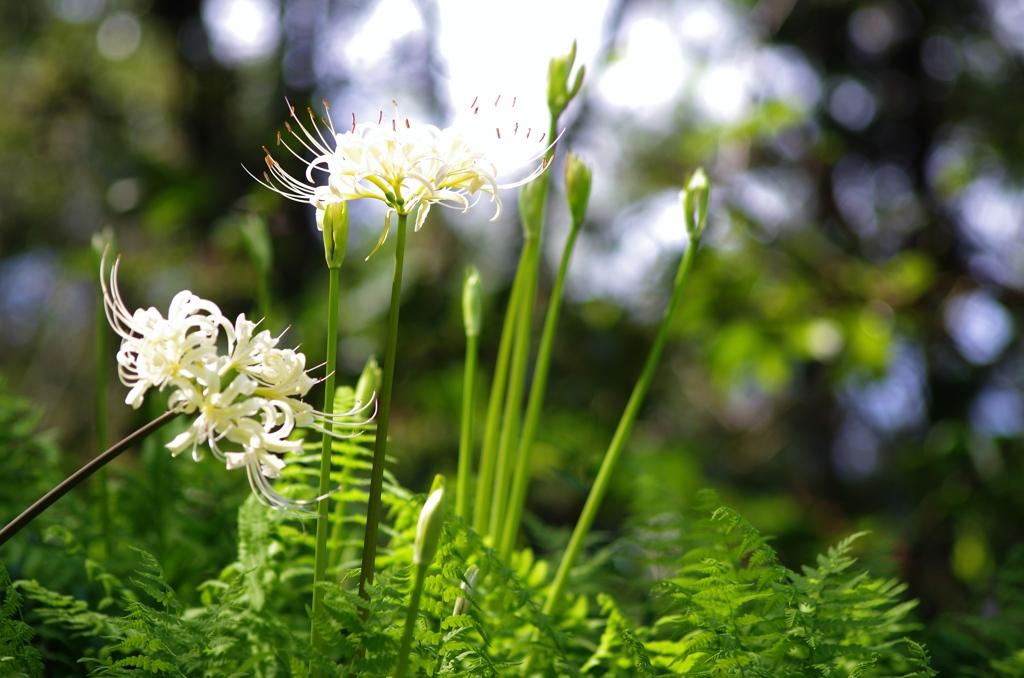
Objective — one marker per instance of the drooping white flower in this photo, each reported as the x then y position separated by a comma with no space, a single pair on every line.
246,404
405,165
154,350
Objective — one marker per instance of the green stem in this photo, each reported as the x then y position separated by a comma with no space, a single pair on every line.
535,403
81,474
466,434
488,454
410,621
618,444
100,412
322,522
516,386
383,418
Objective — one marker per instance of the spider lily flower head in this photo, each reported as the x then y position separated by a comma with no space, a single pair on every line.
246,403
406,166
156,350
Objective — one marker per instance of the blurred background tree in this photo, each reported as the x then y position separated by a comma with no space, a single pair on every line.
849,355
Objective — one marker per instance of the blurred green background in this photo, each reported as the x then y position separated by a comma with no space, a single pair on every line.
848,355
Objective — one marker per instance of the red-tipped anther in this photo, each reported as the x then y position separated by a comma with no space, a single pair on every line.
394,127
528,130
353,122
497,100
476,110
394,103
475,99
498,132
407,125
542,138
514,102
380,118
516,130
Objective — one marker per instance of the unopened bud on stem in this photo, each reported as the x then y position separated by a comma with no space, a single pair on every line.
577,187
335,227
368,384
431,522
559,91
471,302
695,203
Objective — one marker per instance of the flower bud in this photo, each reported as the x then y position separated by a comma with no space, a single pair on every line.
428,529
369,382
471,302
334,224
559,92
531,207
462,603
577,187
695,203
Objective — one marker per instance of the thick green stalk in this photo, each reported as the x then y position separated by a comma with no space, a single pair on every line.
410,620
322,522
466,433
383,418
618,444
516,386
533,409
81,474
488,454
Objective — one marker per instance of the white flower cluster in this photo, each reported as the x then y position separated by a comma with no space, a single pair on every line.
404,165
246,401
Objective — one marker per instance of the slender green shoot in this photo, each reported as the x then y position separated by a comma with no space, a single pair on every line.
521,478
618,443
322,521
100,242
373,507
471,317
516,386
489,451
410,620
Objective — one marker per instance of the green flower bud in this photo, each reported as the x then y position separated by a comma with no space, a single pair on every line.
577,186
695,203
471,302
428,529
368,384
334,224
531,207
559,91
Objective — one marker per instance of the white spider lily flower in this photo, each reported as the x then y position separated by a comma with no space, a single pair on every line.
155,350
405,165
246,404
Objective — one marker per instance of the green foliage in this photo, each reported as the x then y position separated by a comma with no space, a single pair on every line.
17,656
732,609
989,642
